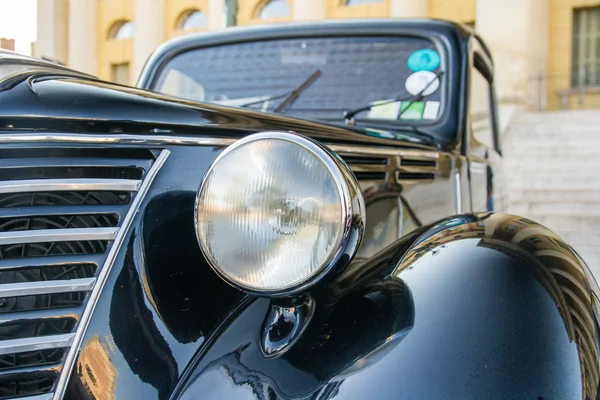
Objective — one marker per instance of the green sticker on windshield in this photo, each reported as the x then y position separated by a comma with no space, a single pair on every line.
414,110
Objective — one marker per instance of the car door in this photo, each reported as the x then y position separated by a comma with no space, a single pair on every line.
483,139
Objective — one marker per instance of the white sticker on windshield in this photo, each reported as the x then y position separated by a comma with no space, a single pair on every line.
431,109
422,80
385,111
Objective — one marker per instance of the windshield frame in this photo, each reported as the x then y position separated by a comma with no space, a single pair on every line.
450,39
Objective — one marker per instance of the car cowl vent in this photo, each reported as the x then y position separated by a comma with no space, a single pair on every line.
392,169
60,212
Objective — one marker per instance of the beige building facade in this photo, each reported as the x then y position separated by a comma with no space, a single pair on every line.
547,52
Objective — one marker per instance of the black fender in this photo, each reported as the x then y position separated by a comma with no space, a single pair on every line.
477,306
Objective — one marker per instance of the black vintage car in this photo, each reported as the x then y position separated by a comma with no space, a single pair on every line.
159,248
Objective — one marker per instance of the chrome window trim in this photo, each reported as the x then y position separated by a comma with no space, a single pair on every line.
103,275
57,235
57,185
36,343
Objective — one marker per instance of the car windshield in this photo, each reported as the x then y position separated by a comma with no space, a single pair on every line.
354,71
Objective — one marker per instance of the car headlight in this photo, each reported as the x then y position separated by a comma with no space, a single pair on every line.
276,212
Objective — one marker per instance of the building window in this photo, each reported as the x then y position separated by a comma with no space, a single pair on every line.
586,47
192,19
121,30
357,2
274,9
119,73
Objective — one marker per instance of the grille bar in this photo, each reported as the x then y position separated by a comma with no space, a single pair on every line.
18,212
367,168
57,235
79,184
46,287
45,396
39,315
73,162
32,372
36,343
50,261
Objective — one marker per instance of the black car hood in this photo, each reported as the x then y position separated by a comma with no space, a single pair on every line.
53,101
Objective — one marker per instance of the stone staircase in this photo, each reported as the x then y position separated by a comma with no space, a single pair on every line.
552,167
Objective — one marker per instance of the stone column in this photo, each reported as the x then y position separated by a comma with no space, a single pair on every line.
519,48
149,25
83,39
307,10
409,8
52,30
216,14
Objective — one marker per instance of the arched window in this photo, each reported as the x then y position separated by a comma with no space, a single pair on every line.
192,19
274,9
121,30
356,2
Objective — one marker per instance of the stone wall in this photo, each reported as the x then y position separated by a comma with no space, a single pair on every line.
552,165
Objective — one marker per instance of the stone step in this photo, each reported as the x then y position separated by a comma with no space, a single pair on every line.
545,180
534,164
553,194
566,209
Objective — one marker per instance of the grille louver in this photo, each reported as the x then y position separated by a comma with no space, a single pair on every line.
60,211
399,169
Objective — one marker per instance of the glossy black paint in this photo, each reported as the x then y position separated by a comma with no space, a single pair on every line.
479,306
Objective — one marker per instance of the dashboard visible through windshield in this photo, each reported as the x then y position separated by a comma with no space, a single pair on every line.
354,72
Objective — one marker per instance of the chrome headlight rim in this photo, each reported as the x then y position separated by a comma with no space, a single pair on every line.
352,204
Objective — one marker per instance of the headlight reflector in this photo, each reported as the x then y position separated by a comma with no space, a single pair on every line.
275,210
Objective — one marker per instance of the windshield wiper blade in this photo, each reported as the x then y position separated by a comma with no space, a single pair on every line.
290,96
350,114
294,94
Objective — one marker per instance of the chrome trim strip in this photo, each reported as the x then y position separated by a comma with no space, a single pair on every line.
46,287
57,235
50,261
381,151
103,274
95,210
45,396
76,162
158,140
72,185
116,139
20,373
457,192
43,314
35,343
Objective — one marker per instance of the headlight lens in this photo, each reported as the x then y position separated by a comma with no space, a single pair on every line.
274,211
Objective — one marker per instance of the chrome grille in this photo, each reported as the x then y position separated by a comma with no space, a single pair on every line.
60,211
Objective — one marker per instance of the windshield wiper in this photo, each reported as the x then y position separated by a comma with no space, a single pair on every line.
291,96
350,114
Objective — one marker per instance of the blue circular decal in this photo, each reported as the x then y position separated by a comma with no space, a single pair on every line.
424,60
